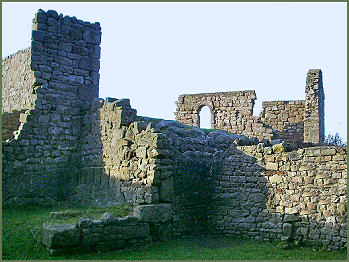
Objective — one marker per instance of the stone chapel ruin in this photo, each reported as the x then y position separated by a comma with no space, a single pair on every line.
295,122
61,143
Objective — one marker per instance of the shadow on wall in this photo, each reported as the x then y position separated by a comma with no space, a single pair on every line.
115,166
233,193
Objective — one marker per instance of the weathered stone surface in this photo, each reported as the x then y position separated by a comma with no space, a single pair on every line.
66,144
154,213
60,235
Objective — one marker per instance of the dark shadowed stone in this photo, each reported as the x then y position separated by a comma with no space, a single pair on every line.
223,139
52,14
276,141
169,123
291,218
92,37
166,190
60,235
162,232
154,213
85,223
217,133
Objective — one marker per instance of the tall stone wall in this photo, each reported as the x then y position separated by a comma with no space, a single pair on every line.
286,118
231,111
43,159
17,82
314,122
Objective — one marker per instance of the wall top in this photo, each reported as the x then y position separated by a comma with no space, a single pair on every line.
247,92
314,71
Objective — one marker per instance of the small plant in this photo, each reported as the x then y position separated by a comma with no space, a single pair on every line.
335,140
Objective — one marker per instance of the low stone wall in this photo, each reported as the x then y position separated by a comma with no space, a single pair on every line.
148,223
263,192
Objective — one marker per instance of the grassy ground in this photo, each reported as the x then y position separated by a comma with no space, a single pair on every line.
18,243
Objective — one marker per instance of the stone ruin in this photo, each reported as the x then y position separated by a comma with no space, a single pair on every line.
295,122
61,143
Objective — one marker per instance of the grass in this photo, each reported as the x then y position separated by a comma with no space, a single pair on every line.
18,243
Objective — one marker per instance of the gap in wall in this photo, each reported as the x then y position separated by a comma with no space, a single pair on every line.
205,117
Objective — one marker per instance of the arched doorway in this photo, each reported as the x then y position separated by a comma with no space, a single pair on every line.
204,117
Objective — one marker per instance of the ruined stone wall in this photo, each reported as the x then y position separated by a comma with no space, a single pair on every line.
10,123
287,118
73,146
254,191
108,232
267,194
314,115
231,111
17,82
42,160
117,159
295,122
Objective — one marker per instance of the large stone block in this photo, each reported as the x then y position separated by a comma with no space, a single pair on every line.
60,235
154,213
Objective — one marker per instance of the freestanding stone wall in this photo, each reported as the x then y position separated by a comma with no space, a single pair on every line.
231,111
286,118
295,122
314,122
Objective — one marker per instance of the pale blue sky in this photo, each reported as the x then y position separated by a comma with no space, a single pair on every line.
153,52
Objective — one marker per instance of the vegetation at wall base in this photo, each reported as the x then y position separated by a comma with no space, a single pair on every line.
18,243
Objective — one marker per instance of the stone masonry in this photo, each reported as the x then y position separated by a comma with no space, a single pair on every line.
64,144
296,122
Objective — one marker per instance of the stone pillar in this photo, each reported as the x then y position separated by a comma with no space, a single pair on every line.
314,123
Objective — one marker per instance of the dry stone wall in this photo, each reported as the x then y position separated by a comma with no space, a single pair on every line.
43,158
147,223
72,146
231,111
117,156
286,119
269,194
295,122
11,123
17,82
314,115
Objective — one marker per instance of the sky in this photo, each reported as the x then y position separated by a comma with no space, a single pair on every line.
153,52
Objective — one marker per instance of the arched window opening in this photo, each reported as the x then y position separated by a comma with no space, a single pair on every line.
205,117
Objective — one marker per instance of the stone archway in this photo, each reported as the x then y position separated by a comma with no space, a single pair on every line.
202,114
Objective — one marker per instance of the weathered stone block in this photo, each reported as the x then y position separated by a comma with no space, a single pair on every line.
291,218
60,235
271,166
166,190
154,213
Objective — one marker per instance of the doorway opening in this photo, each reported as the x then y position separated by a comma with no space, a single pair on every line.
205,117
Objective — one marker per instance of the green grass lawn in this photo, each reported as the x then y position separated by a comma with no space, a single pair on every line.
18,243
